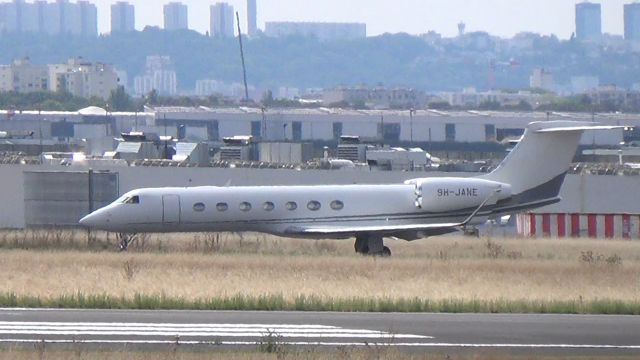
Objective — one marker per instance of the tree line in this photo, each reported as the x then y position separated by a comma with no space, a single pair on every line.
393,60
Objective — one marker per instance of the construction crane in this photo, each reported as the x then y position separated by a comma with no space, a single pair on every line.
244,68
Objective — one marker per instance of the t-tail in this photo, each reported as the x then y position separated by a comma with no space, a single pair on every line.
537,166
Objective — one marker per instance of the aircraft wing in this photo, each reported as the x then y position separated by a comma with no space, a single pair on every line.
434,227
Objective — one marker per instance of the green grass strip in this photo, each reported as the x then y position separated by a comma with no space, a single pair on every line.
313,303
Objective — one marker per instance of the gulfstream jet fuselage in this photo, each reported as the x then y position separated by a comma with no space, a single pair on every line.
530,177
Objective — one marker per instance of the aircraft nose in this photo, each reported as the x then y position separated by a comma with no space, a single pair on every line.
89,220
95,219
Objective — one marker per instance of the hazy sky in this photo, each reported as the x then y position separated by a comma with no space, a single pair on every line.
498,17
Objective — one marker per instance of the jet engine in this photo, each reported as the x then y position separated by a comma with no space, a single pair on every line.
448,194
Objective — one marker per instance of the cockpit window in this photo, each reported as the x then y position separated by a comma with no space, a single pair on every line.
132,200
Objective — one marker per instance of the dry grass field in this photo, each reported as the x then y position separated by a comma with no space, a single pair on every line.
208,266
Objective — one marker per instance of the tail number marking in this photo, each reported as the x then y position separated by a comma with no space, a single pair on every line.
460,192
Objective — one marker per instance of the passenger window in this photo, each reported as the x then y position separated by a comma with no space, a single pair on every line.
314,205
291,206
337,205
222,207
245,206
268,206
132,200
199,207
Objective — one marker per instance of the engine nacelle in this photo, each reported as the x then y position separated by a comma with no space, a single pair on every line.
447,194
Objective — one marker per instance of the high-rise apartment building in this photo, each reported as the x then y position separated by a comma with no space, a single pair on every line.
588,21
123,18
88,18
83,79
23,77
160,75
78,77
252,18
66,17
176,16
12,16
42,17
222,15
541,79
632,22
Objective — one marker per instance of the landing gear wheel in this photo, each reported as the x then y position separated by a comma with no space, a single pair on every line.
361,245
386,252
472,232
371,245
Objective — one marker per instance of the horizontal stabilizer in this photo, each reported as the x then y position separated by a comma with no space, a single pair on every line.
579,128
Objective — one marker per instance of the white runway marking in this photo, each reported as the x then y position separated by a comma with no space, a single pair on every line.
194,330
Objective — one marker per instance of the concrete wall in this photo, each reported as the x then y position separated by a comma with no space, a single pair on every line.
590,194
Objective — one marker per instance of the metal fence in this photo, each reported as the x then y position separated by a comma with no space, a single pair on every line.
56,198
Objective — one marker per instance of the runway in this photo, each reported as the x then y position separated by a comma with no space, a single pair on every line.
562,334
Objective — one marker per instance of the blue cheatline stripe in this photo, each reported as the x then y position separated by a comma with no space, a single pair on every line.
371,218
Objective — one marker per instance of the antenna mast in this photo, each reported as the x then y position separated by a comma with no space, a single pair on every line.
244,68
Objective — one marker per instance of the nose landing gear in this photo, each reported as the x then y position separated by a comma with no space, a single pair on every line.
126,240
372,245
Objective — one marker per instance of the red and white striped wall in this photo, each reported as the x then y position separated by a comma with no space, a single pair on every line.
609,226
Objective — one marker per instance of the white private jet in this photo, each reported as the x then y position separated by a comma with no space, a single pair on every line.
529,177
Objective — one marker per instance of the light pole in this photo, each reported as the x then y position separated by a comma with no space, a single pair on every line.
40,130
263,125
382,128
411,112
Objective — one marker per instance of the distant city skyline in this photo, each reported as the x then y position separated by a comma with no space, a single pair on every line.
503,18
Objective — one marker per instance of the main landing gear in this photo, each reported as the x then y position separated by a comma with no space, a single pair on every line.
126,240
371,245
471,231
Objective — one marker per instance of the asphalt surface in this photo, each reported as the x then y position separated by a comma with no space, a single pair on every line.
560,334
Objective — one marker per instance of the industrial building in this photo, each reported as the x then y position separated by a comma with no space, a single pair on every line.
388,126
377,98
94,129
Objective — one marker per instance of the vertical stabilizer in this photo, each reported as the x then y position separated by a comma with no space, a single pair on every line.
541,159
